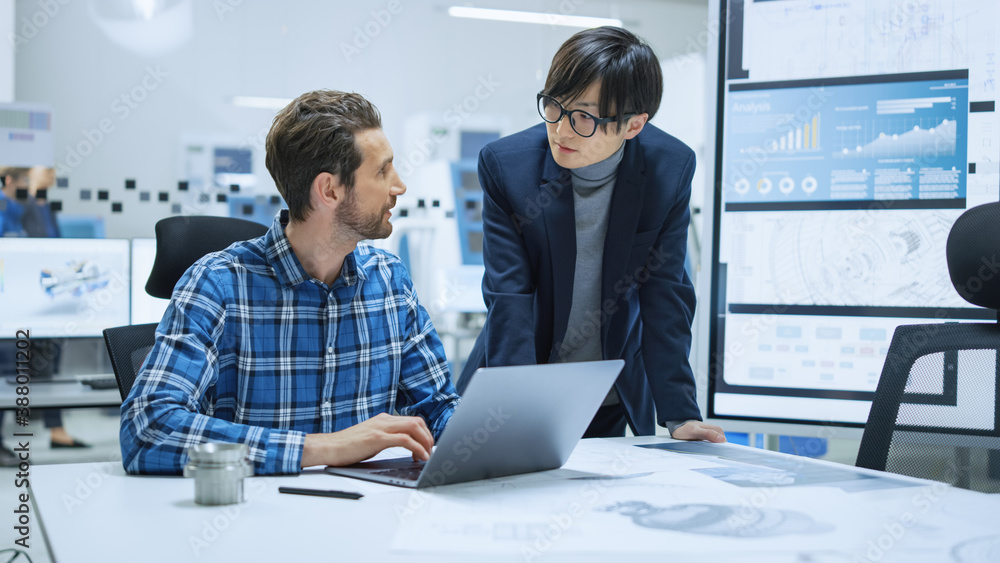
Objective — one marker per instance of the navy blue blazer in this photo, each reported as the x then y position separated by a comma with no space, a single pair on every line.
647,299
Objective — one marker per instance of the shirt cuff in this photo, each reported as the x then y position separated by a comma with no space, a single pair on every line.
281,452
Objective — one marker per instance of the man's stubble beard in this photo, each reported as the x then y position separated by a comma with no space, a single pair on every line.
365,227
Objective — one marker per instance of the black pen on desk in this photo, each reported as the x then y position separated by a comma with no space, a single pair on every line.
320,493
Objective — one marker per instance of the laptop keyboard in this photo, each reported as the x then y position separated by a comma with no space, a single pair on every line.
409,473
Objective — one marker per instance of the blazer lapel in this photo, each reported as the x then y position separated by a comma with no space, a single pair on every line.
626,206
555,198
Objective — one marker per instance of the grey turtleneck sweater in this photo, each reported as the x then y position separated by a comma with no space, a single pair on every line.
592,189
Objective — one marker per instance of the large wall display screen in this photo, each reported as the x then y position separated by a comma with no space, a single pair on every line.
851,134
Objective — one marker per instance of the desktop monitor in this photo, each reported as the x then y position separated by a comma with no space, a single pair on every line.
850,136
58,288
145,308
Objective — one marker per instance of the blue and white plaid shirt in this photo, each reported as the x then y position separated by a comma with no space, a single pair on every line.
253,350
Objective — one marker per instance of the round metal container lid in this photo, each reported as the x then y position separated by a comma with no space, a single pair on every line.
218,453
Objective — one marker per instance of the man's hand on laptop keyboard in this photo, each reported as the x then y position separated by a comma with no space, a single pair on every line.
368,438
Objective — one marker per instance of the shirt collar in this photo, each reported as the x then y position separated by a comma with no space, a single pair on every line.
350,273
287,266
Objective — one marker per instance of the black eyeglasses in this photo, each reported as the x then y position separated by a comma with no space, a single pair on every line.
585,124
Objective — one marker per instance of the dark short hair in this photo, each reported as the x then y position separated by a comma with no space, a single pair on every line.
316,133
629,72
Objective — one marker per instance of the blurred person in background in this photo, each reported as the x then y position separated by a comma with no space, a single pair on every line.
25,212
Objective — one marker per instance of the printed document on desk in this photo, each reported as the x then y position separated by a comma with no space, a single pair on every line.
647,510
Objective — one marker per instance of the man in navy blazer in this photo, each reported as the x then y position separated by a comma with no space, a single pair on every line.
585,224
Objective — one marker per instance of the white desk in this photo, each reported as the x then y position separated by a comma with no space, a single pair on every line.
69,393
94,512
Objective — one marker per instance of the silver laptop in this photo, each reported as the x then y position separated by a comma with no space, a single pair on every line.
511,420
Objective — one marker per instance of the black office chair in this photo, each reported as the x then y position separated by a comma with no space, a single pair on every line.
128,347
180,242
935,414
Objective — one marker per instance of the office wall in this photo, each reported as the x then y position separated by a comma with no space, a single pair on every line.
417,60
6,51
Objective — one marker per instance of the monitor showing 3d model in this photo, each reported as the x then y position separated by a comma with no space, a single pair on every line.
851,136
63,287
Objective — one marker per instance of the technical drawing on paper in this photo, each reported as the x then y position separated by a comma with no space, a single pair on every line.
864,259
854,258
719,520
977,550
823,39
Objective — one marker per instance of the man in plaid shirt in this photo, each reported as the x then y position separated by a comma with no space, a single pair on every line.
300,343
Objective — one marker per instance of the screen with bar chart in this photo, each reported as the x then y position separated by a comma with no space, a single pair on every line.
851,135
809,143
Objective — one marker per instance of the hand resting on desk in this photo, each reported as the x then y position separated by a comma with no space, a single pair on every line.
695,430
365,439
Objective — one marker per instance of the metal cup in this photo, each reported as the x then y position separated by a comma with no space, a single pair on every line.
218,470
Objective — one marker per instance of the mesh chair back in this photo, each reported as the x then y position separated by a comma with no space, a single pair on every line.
935,414
182,240
128,347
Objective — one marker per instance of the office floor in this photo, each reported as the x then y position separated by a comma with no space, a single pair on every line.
99,427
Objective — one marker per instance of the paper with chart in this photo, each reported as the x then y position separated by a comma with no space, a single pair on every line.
749,467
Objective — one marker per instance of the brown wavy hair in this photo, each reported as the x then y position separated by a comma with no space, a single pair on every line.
316,133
